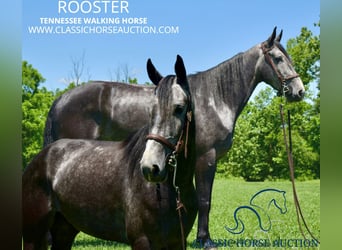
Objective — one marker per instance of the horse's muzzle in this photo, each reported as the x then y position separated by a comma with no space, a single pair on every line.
295,97
154,173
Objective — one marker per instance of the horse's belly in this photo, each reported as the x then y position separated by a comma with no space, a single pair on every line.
108,225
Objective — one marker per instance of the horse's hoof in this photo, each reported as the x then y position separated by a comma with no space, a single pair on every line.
204,244
209,245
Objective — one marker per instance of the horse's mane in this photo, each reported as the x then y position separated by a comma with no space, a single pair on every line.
215,79
134,146
233,65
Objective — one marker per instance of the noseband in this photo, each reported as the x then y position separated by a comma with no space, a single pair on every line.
282,79
176,148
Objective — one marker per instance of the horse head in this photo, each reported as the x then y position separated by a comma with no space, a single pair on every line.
274,197
280,202
277,69
168,121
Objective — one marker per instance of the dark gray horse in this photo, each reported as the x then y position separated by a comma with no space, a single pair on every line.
110,111
100,187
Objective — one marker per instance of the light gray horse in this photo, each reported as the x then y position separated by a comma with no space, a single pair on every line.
111,111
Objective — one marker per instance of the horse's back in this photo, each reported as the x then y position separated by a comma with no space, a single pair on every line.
81,155
98,110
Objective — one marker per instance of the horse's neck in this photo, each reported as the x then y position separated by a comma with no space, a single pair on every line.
230,83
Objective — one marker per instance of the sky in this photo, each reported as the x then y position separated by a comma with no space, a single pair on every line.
205,33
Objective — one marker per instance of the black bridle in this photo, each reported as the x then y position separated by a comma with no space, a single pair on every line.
280,77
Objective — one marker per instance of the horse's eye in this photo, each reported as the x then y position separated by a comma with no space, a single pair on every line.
179,109
278,59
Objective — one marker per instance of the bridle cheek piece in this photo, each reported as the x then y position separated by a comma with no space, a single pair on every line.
181,144
282,79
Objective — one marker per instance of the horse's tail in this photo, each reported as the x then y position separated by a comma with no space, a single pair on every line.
49,130
36,201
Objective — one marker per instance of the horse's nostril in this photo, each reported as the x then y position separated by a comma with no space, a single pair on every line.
145,171
155,169
301,93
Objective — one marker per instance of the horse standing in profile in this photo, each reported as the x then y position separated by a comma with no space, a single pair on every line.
121,191
110,111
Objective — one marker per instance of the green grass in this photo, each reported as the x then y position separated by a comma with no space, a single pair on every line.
228,195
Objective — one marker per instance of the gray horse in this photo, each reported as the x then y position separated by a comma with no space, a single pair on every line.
110,111
100,187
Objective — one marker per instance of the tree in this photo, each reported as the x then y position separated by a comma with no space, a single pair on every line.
258,151
305,53
77,72
36,102
123,74
31,80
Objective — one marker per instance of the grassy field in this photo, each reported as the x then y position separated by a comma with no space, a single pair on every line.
228,195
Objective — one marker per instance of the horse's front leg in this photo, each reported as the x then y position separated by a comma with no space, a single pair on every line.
141,243
204,176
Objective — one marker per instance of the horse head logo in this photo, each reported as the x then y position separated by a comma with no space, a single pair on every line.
258,207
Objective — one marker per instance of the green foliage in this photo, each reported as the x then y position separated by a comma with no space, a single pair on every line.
36,103
258,151
31,80
305,53
132,80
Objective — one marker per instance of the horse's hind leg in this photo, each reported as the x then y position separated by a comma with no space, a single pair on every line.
36,244
37,218
62,233
35,237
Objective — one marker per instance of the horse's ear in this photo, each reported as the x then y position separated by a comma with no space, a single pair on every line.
270,40
279,36
152,72
180,71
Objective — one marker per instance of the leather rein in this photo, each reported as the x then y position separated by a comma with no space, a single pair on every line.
288,147
280,77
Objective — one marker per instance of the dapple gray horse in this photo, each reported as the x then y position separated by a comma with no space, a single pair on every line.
110,111
101,188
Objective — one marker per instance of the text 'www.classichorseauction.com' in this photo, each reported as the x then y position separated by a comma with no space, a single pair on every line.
97,17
